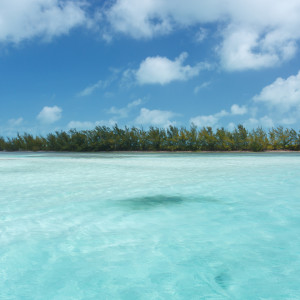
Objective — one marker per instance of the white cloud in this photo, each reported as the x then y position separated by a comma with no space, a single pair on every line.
212,120
201,86
90,89
148,18
22,20
265,121
81,125
15,122
118,113
256,33
138,18
221,114
90,125
155,117
202,121
49,115
289,120
231,126
101,84
201,35
238,110
283,94
161,70
237,51
123,112
134,103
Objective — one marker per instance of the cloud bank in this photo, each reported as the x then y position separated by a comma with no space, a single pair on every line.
256,33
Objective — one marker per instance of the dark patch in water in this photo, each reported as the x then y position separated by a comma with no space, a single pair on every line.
151,202
223,280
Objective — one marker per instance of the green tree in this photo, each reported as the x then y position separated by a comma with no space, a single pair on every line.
258,140
240,138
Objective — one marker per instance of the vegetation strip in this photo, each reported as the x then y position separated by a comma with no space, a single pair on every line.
104,138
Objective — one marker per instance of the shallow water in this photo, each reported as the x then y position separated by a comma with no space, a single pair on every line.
149,226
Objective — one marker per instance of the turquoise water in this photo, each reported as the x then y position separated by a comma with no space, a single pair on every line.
149,226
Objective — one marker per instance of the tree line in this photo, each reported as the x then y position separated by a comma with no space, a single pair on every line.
104,138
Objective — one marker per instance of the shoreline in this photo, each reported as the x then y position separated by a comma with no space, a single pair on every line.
145,151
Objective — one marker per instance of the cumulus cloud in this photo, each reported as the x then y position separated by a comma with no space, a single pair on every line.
22,20
237,51
155,117
283,94
161,70
49,115
251,38
238,110
148,18
256,33
201,121
138,18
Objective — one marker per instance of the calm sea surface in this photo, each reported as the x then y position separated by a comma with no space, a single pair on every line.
149,226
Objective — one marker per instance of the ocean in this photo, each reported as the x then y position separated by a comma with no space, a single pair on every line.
149,226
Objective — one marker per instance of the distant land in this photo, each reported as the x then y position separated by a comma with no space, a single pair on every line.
172,138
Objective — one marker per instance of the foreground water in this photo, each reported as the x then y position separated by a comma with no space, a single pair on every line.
149,226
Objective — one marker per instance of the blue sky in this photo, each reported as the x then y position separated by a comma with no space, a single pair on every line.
77,64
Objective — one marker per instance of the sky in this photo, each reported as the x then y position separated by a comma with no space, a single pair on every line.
68,64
